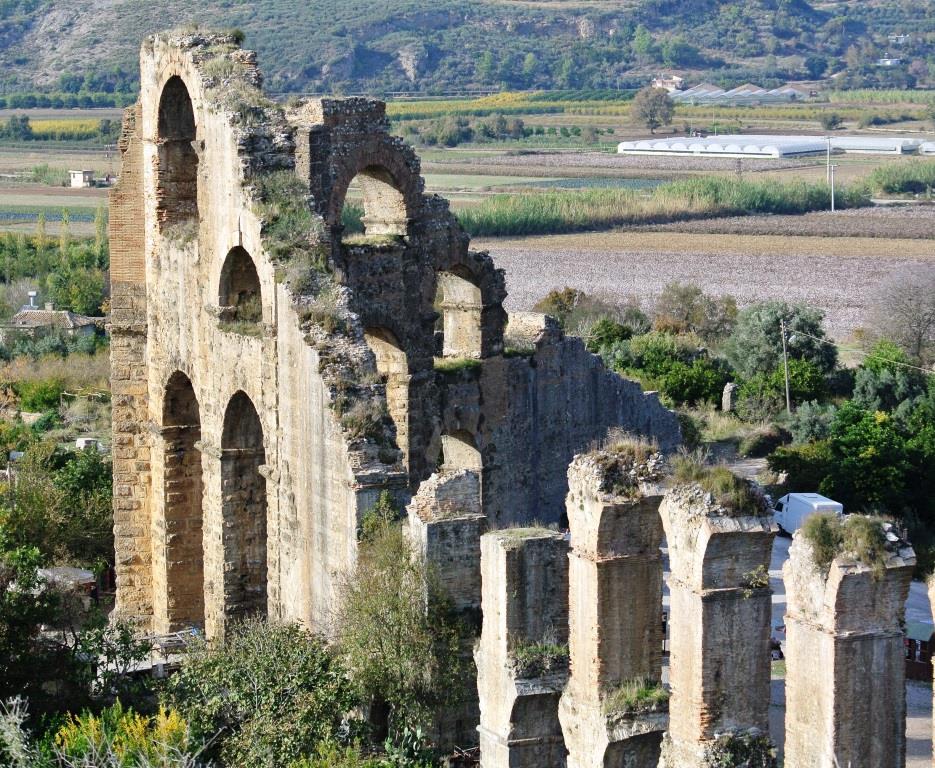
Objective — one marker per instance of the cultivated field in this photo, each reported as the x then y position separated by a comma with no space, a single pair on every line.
837,274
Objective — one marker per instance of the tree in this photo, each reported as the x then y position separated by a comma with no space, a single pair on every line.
815,66
265,696
643,44
755,346
653,107
395,629
685,308
903,311
530,65
831,121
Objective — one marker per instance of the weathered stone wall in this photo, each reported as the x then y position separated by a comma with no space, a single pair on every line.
615,607
275,518
530,415
719,624
845,660
525,599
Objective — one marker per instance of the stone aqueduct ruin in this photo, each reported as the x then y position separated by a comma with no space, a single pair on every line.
271,378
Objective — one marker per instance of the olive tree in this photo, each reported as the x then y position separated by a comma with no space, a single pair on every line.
755,346
903,311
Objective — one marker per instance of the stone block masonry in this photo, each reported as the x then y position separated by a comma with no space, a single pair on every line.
845,658
615,610
719,624
272,375
522,663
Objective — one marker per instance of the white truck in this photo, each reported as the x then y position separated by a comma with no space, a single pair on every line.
793,509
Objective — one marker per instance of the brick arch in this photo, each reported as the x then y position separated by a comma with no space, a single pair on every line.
243,509
391,185
181,546
176,134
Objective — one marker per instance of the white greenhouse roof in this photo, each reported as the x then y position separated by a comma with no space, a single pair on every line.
927,148
727,146
772,146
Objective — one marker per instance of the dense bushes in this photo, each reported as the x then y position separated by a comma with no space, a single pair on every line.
265,696
916,176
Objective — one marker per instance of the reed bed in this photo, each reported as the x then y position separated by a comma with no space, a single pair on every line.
703,197
914,177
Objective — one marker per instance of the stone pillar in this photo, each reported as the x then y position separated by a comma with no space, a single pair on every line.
615,612
719,626
128,361
845,658
522,661
445,526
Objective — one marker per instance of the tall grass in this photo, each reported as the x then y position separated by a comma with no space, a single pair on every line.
700,197
904,178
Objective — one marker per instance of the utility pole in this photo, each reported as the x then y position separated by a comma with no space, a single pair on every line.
828,162
831,170
785,363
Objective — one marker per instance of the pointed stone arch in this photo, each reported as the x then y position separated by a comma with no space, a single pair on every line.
393,366
239,293
458,301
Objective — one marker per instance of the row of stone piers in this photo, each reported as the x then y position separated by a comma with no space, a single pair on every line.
570,655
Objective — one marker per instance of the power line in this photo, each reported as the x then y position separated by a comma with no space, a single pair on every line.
868,355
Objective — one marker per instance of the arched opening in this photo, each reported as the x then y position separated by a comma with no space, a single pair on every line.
374,205
459,451
182,505
458,302
239,291
177,175
393,366
243,501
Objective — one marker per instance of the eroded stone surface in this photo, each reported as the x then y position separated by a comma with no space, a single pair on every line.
845,659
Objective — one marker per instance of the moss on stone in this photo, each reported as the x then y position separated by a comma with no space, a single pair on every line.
637,696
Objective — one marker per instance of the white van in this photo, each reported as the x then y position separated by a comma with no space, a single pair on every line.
793,508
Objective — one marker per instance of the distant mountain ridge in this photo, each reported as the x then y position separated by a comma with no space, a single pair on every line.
439,45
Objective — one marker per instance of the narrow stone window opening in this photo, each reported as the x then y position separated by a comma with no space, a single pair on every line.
177,172
182,506
393,366
244,509
374,208
458,302
459,451
239,294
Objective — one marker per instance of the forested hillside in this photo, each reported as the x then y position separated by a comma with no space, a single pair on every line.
90,46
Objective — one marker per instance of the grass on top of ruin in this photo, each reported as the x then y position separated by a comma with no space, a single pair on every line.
700,197
734,494
859,536
637,696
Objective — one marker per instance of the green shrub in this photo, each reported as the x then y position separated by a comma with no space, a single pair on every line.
685,308
604,332
811,421
266,695
806,465
700,382
763,441
37,396
691,432
858,536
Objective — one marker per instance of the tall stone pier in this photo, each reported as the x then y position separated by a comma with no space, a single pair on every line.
445,524
845,659
931,590
719,552
522,661
615,610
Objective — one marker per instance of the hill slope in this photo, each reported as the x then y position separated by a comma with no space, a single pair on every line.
425,45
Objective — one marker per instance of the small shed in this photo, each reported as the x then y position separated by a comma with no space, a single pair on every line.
82,178
918,645
33,321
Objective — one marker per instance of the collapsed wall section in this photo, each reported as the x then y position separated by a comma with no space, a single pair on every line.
845,657
720,609
613,711
522,663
